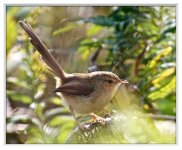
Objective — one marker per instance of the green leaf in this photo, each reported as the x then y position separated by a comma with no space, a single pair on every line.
11,29
163,75
166,106
25,119
67,28
39,109
164,91
163,53
18,82
100,20
60,121
94,30
20,97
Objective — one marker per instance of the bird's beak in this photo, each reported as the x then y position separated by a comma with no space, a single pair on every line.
124,81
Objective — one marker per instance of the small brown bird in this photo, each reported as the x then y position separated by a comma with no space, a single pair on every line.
82,92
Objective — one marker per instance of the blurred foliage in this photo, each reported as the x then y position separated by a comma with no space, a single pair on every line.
142,44
136,43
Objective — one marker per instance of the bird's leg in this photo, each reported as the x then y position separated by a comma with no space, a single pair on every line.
77,122
97,118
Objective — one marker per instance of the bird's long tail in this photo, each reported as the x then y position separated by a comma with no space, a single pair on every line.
46,55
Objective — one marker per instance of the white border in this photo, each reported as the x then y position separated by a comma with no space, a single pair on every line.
89,2
92,2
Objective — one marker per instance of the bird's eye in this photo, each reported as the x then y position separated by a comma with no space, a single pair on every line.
109,81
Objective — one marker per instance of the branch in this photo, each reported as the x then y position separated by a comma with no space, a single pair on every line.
116,65
163,117
139,58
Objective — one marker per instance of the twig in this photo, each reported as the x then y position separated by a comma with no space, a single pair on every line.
93,58
139,58
163,117
116,65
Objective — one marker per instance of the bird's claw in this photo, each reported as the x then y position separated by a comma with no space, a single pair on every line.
97,119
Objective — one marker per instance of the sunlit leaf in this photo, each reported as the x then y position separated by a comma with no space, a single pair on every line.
164,91
163,75
67,28
56,112
21,119
84,52
93,30
39,109
20,97
61,120
166,106
11,29
65,131
39,91
165,52
56,101
17,82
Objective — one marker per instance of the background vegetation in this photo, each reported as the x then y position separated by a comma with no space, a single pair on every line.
136,43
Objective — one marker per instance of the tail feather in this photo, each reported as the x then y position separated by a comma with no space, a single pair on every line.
46,55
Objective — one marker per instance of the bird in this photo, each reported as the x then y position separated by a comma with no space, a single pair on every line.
83,93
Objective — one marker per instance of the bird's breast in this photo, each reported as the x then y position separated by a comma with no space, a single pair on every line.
88,104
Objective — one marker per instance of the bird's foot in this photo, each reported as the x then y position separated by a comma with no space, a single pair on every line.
95,122
98,119
76,121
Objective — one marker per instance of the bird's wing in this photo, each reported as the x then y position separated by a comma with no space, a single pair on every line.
76,88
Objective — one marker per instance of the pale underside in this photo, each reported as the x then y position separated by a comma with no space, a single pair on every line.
90,103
